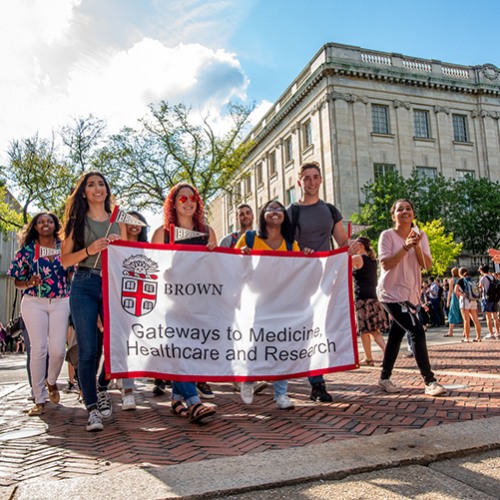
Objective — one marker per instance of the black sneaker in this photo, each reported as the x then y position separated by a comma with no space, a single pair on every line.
318,392
159,388
204,390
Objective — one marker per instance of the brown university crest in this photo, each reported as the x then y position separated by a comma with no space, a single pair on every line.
139,285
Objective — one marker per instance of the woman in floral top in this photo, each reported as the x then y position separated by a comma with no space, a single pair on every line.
45,305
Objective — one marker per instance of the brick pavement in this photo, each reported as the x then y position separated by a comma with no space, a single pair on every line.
56,445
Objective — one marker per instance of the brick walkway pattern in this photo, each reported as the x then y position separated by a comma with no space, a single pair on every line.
56,446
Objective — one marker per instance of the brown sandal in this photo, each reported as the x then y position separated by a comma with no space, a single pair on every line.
199,411
179,409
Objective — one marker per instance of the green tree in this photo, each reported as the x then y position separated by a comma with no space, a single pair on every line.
39,180
443,247
10,218
474,214
379,195
173,147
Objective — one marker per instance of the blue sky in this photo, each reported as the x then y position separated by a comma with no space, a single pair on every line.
66,58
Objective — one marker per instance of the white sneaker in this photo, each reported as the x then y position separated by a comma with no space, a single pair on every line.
489,337
246,393
434,389
388,386
283,402
128,401
104,404
95,421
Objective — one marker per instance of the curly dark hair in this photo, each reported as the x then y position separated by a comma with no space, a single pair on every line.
30,233
77,207
286,226
170,214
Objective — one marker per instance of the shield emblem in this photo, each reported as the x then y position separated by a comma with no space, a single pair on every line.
139,293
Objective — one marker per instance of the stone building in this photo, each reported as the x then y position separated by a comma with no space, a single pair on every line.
360,113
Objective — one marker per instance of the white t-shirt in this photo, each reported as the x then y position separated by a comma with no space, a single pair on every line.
401,283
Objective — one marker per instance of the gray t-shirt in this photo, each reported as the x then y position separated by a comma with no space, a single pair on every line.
315,225
228,241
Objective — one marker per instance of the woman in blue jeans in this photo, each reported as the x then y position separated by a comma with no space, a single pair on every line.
87,232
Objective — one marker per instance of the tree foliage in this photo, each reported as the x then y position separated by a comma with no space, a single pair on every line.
469,208
444,249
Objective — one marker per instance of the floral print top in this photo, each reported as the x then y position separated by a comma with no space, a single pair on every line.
55,278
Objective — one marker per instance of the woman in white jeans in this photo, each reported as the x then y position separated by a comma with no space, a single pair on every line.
38,272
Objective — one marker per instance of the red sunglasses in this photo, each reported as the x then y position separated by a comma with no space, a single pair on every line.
182,199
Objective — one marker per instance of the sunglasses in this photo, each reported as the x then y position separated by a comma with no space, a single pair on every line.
277,209
182,199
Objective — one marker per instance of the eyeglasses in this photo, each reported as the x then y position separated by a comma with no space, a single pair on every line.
275,209
182,199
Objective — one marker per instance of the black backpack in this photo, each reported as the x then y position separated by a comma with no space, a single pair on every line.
493,293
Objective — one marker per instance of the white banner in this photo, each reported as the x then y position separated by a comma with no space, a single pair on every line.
190,314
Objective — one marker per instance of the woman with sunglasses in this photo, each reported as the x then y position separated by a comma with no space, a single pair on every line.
183,208
274,234
45,305
87,233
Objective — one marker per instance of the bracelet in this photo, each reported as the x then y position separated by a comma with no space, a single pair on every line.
87,251
405,248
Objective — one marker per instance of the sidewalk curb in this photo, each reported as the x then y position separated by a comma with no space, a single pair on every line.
337,460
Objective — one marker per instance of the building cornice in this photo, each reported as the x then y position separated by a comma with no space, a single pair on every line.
335,60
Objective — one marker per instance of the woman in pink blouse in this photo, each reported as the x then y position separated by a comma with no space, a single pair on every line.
403,252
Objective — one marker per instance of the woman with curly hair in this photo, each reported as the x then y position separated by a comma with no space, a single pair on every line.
183,208
87,232
370,315
45,305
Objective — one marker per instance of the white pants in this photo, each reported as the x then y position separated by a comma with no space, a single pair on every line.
46,321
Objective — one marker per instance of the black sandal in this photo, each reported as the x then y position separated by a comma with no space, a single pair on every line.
199,411
179,410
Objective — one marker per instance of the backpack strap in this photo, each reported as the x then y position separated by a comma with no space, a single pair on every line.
234,239
295,218
250,238
289,245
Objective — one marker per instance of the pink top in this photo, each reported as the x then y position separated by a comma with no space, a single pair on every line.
403,282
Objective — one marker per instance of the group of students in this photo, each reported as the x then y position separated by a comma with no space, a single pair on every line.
307,226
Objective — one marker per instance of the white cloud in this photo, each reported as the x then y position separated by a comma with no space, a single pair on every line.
60,60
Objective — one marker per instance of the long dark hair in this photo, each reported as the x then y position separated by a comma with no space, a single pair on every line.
30,233
368,247
77,207
143,235
286,226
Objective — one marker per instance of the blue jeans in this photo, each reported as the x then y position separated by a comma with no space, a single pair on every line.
186,391
280,387
86,306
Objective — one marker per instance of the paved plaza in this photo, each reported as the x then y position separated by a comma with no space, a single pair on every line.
55,447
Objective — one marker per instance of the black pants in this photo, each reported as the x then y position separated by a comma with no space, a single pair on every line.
404,319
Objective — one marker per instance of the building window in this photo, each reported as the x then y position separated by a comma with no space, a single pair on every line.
460,128
291,196
258,173
421,119
248,185
288,146
380,119
462,174
426,172
307,134
381,169
271,159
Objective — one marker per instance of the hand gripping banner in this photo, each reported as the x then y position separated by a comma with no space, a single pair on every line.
181,312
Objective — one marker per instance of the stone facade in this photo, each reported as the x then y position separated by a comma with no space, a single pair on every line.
359,113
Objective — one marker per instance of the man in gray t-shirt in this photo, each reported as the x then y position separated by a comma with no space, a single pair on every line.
316,223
